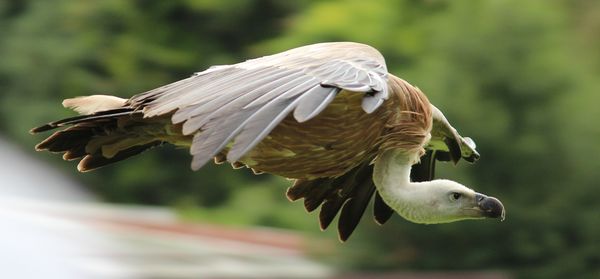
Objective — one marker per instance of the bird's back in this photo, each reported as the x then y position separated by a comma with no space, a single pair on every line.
338,139
344,136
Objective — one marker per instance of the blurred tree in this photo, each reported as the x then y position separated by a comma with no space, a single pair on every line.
60,49
503,75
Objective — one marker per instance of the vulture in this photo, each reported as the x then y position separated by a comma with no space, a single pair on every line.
327,115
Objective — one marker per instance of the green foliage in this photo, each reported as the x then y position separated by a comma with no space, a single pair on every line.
60,49
246,207
520,77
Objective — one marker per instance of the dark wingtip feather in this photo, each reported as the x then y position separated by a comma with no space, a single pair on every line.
82,118
346,222
94,161
311,203
291,196
85,164
39,147
297,190
74,154
349,193
47,143
43,128
425,169
454,150
354,208
329,210
65,140
381,211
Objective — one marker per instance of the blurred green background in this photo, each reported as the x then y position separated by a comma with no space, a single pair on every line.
522,78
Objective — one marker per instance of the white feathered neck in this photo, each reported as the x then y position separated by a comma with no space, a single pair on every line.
418,202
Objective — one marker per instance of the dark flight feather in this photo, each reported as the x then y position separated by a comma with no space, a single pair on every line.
357,202
65,140
341,188
454,149
349,194
354,209
381,211
94,161
108,114
425,169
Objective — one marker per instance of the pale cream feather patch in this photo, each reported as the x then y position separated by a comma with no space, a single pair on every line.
93,103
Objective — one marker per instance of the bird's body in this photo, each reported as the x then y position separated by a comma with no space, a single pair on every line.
340,138
321,114
328,145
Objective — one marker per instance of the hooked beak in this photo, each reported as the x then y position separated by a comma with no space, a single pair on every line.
490,206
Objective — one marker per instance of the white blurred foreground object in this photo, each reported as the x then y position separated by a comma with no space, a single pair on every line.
51,229
52,240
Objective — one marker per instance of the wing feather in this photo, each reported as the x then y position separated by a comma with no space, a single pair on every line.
205,147
313,102
237,103
201,90
354,208
381,211
349,193
260,78
258,126
274,86
245,101
143,99
371,103
448,143
219,133
262,123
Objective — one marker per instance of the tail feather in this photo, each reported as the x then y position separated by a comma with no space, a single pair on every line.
94,161
102,137
75,153
109,114
65,140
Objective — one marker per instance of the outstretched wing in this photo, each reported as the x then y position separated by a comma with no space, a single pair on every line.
449,144
246,101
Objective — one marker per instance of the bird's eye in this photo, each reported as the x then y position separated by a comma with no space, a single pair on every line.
456,196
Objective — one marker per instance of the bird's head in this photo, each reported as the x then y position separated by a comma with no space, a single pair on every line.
444,201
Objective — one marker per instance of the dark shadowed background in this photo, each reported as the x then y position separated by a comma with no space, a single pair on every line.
522,78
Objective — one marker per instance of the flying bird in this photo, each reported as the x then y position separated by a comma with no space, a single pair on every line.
327,115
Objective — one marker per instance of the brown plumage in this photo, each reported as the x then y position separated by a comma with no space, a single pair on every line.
344,136
319,114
